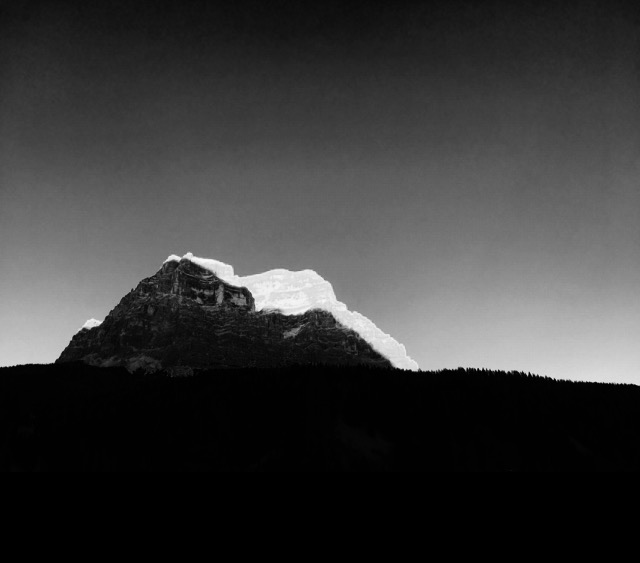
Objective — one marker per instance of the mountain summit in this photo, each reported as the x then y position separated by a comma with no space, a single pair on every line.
197,313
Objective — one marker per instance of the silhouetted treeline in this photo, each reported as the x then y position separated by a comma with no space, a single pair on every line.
79,418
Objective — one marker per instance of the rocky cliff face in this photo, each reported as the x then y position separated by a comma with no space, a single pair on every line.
186,317
295,293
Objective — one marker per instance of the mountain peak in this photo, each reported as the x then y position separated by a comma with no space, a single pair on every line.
296,292
223,271
199,313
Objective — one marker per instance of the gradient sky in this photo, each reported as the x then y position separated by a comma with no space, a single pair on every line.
466,174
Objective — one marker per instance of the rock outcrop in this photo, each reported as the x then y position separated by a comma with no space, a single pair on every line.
187,317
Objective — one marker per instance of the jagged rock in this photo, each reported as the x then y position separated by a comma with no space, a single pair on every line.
187,316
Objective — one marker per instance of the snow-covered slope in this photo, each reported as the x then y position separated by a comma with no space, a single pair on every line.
91,323
220,269
294,293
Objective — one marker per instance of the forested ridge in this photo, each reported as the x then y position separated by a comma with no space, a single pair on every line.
74,417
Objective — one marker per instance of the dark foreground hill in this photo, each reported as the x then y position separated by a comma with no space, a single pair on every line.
78,417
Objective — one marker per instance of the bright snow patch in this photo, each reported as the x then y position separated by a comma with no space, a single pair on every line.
294,293
293,332
220,269
91,323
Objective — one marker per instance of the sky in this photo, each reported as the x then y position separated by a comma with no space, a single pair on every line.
466,174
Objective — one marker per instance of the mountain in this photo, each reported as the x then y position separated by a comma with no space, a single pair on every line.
196,313
294,293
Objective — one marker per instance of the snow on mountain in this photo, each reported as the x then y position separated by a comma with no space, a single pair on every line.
91,323
220,269
294,293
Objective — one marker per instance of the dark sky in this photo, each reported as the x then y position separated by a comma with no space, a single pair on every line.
466,174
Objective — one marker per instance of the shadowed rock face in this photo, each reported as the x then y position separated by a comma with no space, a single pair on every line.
187,316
